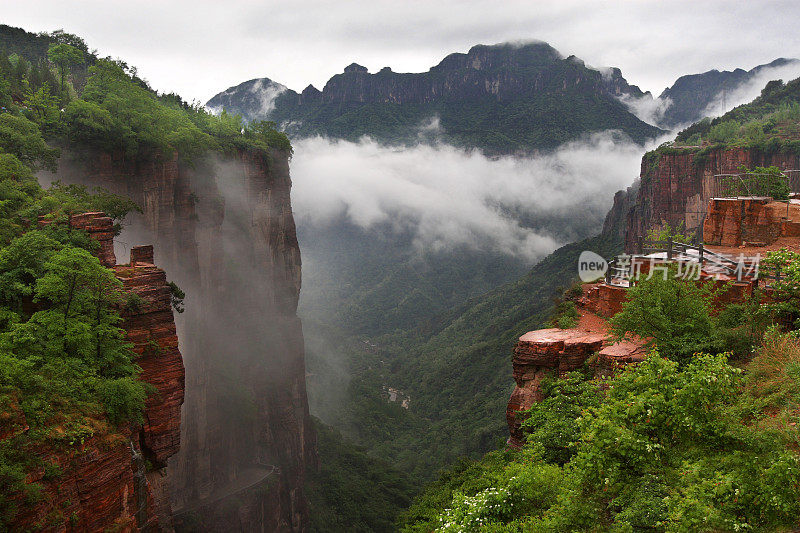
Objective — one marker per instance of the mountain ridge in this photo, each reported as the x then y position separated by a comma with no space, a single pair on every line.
692,94
503,98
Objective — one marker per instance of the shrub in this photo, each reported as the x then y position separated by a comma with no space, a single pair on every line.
674,313
565,315
134,303
176,297
724,132
124,399
551,422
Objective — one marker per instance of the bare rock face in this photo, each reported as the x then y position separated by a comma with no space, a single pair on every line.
224,230
605,300
100,228
539,353
116,479
735,221
151,329
675,188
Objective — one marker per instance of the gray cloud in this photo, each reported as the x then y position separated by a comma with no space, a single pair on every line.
647,108
201,47
448,197
726,101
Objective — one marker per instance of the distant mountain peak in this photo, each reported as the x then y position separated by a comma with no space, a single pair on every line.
502,98
257,94
694,96
355,67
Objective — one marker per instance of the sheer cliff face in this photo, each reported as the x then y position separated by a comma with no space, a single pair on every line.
675,188
224,230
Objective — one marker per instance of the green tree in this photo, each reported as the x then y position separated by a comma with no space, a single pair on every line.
64,56
785,301
672,313
22,262
43,105
78,319
664,448
21,137
551,422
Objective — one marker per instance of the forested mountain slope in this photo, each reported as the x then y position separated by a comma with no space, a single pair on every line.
505,98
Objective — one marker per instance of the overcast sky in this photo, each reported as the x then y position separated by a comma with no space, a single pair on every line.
200,47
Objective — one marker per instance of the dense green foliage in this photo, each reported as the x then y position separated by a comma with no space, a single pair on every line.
768,123
676,315
75,97
64,362
692,444
66,372
785,301
352,491
663,449
454,367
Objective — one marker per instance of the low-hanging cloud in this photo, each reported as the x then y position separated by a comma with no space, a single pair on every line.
448,197
647,108
748,91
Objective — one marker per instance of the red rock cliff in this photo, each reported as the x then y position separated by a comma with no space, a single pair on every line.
224,230
676,188
117,478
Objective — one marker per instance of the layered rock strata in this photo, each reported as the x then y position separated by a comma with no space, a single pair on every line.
739,221
116,478
675,188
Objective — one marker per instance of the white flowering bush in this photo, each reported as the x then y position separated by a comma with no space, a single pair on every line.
469,513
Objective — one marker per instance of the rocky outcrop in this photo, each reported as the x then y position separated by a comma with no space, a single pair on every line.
554,352
676,186
150,327
223,228
604,300
101,229
116,478
539,354
737,221
616,219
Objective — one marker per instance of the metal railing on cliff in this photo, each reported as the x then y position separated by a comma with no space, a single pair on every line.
622,270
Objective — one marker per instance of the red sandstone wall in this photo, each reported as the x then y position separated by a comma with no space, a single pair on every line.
105,483
676,189
556,352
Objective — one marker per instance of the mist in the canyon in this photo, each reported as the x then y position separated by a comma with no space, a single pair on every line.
366,210
652,110
445,196
726,100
